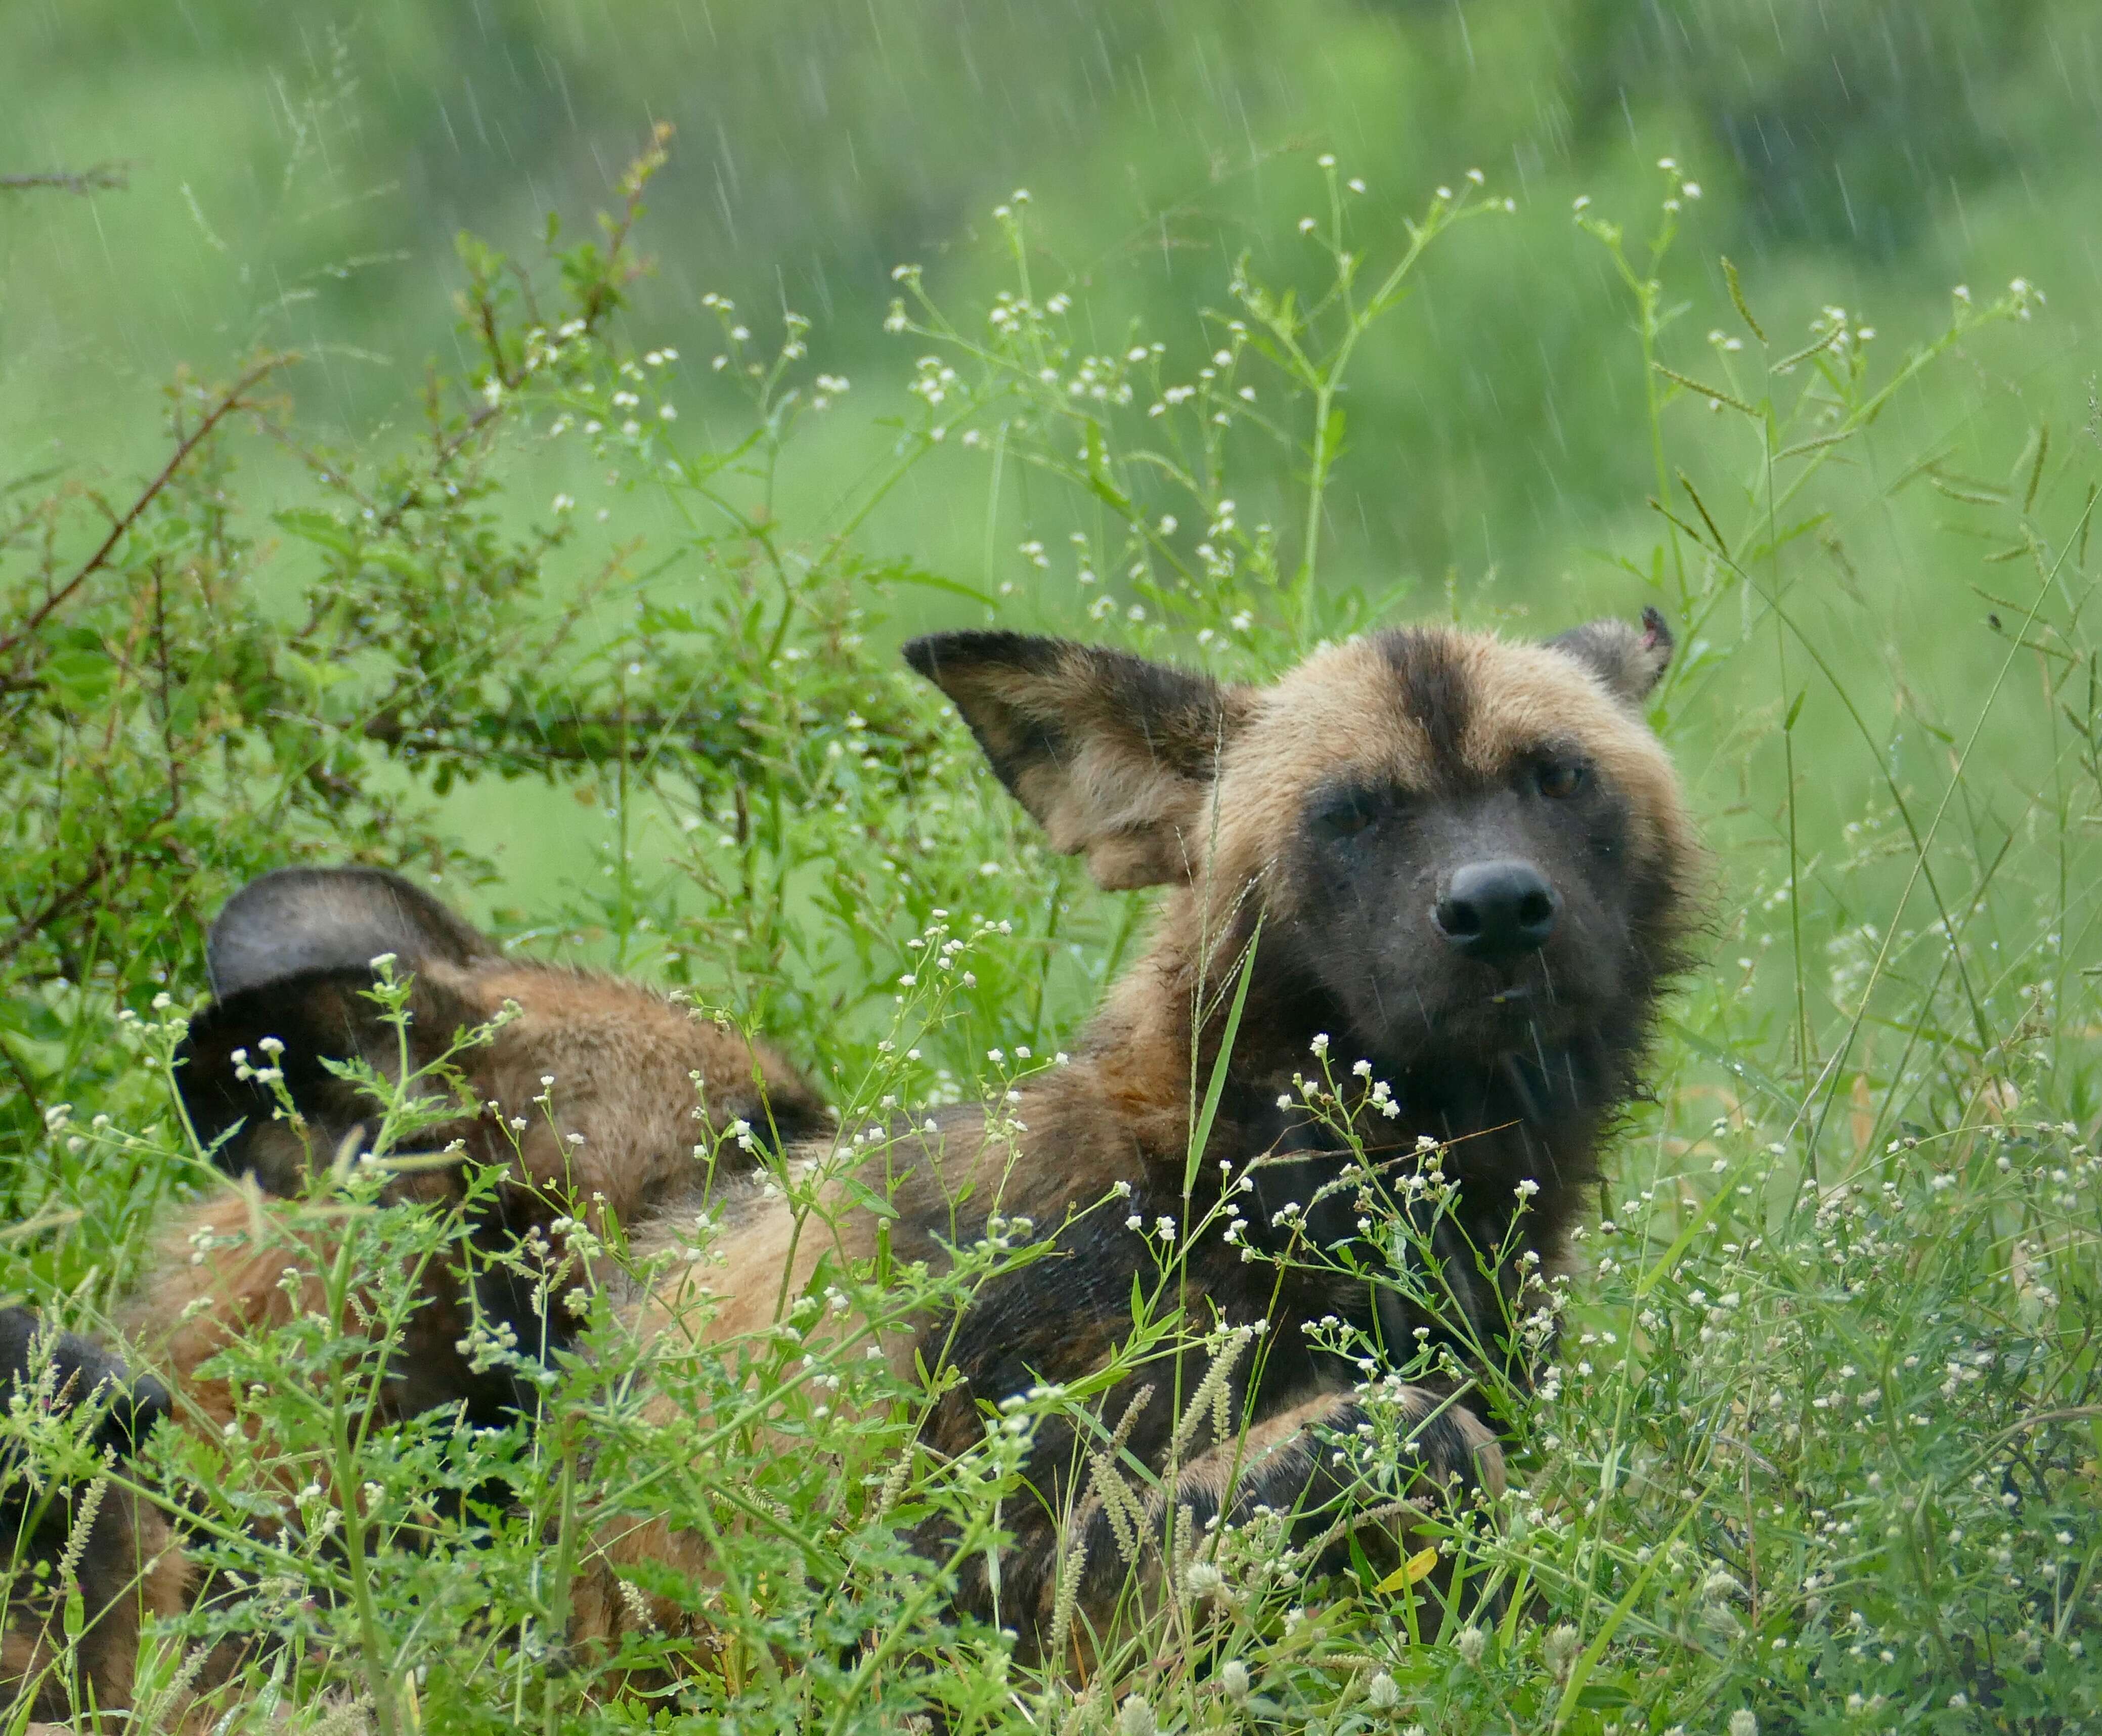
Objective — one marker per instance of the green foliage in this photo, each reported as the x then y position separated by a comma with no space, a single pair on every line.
1821,1446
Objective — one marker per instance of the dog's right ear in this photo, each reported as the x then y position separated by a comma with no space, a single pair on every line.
1112,755
291,964
1629,659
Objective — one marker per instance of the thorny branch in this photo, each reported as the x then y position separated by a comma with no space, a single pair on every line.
103,177
229,401
27,927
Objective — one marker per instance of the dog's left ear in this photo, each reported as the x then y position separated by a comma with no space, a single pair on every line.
1628,659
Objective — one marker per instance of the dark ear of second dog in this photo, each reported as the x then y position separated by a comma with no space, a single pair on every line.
292,959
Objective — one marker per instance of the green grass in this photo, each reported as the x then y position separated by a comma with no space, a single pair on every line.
1822,1447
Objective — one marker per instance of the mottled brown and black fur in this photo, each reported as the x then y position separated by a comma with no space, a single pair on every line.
1461,858
1340,809
638,1082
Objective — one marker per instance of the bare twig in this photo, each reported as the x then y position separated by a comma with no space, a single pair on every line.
229,402
103,177
28,927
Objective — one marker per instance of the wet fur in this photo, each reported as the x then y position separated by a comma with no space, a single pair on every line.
1155,774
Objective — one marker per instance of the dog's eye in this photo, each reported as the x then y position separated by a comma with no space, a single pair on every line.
1348,815
1559,780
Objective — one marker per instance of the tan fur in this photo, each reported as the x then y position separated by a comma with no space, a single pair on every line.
220,1279
1336,716
645,1084
1542,696
640,1080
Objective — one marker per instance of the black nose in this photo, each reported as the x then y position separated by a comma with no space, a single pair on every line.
1497,911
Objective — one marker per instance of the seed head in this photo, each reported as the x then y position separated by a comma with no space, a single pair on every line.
1563,1645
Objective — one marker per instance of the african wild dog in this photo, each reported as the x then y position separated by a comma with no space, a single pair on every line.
292,959
1464,859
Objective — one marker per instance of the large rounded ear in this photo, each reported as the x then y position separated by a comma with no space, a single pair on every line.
1111,754
302,919
1628,659
290,960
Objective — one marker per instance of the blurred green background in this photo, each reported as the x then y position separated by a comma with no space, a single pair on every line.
297,172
